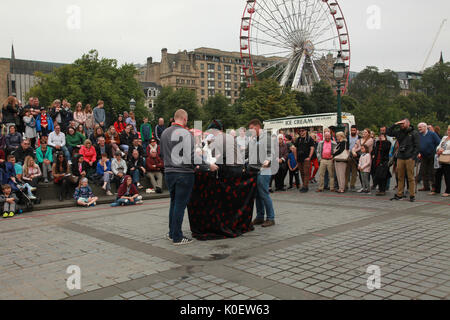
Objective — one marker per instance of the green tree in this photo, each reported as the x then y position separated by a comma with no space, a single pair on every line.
266,100
323,97
90,79
219,107
170,100
370,81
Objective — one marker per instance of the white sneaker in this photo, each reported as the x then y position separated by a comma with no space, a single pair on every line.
69,162
33,189
32,197
139,202
183,242
149,191
139,198
360,191
109,193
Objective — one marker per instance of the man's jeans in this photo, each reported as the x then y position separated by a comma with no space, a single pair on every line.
180,186
263,200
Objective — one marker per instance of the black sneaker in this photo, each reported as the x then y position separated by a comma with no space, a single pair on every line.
183,242
412,199
396,197
304,190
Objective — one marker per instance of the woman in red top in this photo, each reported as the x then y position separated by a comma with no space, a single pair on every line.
112,138
120,125
90,157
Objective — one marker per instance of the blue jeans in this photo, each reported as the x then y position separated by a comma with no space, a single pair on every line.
135,175
263,200
180,186
120,201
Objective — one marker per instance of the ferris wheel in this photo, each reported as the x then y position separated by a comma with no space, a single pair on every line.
295,41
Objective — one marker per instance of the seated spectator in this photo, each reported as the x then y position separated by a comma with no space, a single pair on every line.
101,148
127,194
24,151
104,171
13,140
119,168
10,111
131,120
80,129
79,169
136,146
90,157
8,201
112,138
136,168
44,158
98,132
154,164
126,138
44,123
74,140
84,196
2,156
19,183
153,146
120,124
61,175
57,140
31,172
8,172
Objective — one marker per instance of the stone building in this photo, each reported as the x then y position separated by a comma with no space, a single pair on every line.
206,71
17,76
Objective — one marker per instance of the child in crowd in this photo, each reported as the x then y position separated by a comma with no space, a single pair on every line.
293,168
9,201
84,195
105,173
127,194
365,164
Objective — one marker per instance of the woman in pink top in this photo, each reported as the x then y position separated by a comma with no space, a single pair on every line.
364,166
90,157
31,172
79,116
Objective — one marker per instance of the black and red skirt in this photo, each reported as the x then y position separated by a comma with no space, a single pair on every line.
221,207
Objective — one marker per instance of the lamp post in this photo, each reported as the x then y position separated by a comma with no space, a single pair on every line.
339,71
132,104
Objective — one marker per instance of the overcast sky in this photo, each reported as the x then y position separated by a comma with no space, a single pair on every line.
132,30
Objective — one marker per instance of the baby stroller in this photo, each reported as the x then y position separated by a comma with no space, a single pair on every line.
26,204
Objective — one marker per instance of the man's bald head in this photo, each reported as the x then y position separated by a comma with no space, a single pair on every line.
181,117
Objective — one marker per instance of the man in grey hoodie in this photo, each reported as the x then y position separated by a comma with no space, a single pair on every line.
178,147
99,114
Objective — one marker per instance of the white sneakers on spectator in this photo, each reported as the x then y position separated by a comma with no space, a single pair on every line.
183,242
150,190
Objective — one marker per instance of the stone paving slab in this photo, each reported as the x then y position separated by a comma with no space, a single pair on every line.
411,252
34,263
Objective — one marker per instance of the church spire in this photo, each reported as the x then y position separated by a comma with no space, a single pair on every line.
13,55
441,60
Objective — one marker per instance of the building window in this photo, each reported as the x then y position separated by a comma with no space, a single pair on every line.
203,83
211,75
202,74
227,69
188,82
202,66
203,92
193,82
182,81
182,68
235,93
211,92
219,68
219,76
188,68
235,85
178,81
211,67
211,84
220,84
235,69
235,77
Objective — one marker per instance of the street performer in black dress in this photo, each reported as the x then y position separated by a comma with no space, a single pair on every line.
222,203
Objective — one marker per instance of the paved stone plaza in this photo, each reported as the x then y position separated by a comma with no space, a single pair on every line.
319,249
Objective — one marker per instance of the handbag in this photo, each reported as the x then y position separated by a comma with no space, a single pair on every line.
444,159
343,157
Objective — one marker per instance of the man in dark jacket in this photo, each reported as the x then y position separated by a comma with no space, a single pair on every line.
101,147
24,151
428,144
159,129
408,150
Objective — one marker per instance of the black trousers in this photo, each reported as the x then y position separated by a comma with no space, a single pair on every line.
444,170
428,172
292,175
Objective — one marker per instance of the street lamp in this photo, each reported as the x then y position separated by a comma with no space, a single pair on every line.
132,104
339,71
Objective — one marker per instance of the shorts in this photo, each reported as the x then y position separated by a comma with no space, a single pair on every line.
86,200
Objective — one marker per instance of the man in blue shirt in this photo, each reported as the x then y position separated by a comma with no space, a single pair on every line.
428,144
